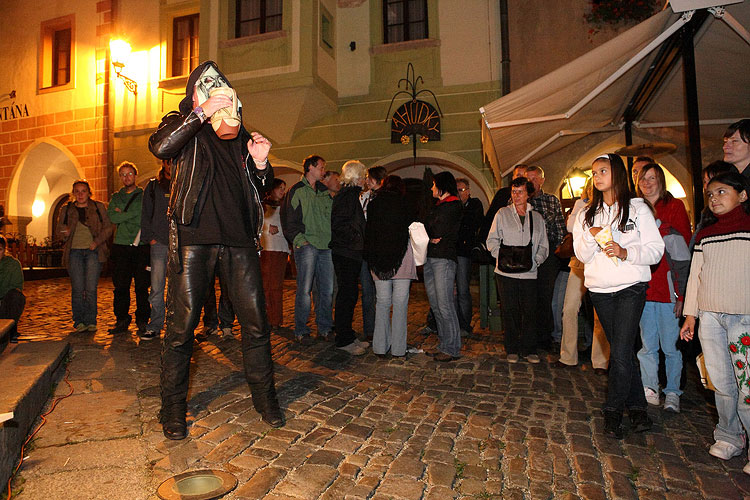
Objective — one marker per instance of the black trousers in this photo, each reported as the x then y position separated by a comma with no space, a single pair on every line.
347,276
129,263
11,307
239,270
545,287
518,307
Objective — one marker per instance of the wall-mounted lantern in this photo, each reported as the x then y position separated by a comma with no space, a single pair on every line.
119,51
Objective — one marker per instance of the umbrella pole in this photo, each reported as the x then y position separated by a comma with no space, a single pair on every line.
693,125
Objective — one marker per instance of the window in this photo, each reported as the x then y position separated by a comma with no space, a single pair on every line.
184,44
404,20
257,16
56,56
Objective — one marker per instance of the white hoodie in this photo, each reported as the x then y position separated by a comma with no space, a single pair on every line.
641,239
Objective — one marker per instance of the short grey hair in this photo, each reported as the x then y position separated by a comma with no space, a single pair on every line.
353,173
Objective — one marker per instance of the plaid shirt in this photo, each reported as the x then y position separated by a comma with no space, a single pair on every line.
549,206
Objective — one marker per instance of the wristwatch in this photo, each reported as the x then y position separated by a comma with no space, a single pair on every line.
200,113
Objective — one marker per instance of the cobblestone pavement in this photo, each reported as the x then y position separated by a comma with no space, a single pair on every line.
356,427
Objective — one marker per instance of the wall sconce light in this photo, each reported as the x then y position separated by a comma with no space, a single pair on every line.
575,181
37,208
119,51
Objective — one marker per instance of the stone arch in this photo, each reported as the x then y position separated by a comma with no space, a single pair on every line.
44,160
404,162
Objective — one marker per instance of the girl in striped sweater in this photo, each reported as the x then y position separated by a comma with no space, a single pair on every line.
719,295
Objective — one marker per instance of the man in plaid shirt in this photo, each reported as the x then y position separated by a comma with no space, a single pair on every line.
549,206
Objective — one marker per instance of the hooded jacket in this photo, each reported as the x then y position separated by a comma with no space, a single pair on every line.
181,136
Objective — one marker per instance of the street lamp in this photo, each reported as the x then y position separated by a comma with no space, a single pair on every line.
119,51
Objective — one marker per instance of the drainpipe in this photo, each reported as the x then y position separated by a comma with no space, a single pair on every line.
504,47
110,106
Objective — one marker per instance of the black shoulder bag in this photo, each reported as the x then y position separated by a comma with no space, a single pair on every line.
514,259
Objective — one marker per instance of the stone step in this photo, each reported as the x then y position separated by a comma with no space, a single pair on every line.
6,325
28,372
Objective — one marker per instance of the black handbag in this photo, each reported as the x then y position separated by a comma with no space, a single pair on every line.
514,259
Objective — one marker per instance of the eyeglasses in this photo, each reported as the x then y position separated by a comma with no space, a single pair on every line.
127,174
461,190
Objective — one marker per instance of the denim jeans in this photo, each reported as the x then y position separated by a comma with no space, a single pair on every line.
439,279
368,301
158,280
723,337
558,297
659,327
390,332
620,314
84,268
313,262
463,293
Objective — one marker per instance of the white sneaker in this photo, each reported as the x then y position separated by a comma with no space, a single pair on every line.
361,343
672,402
533,359
354,349
512,358
652,397
723,450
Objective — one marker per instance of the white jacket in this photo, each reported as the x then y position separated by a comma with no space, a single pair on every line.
641,239
507,228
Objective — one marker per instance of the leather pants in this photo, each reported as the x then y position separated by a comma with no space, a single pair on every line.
239,271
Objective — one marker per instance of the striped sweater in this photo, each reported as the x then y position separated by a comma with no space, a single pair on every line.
720,270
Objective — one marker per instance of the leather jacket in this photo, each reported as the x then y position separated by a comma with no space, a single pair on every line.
177,139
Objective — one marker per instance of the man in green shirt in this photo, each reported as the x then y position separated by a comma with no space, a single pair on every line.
12,299
130,255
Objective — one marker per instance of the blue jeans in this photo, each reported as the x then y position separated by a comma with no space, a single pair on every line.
313,263
158,280
390,332
368,301
723,337
659,327
84,268
439,279
558,298
463,293
620,314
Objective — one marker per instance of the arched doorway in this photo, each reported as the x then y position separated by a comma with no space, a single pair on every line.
44,174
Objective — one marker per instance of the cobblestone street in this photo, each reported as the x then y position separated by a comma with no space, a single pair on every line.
356,428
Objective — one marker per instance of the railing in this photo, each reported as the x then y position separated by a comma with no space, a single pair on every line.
32,255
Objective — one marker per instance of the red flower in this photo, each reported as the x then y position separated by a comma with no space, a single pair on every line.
745,339
740,365
732,347
747,400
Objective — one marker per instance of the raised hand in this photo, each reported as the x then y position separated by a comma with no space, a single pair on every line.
258,146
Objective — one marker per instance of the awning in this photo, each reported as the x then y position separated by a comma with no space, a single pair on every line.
588,95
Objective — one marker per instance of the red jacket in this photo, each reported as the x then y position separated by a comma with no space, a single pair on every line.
672,214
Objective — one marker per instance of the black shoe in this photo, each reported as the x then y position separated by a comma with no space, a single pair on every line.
121,326
443,357
639,420
142,325
305,340
174,428
613,424
273,418
560,364
600,371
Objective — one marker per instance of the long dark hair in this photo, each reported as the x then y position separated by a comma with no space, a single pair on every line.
621,192
737,182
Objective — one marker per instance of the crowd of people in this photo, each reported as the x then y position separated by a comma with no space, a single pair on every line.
626,261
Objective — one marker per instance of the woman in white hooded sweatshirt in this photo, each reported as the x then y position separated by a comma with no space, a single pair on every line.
617,273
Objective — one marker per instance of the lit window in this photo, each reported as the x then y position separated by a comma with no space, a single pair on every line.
184,44
404,20
257,16
56,53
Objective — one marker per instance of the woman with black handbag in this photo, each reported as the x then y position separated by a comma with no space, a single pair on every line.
518,241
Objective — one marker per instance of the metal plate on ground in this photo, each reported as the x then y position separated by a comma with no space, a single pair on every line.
204,484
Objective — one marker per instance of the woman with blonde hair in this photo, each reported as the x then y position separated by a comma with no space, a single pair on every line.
347,244
86,227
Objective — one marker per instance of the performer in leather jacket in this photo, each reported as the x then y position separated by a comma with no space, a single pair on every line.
215,219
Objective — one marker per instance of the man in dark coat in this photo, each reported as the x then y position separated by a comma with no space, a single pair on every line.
215,219
471,220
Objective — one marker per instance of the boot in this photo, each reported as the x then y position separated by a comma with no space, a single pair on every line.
613,424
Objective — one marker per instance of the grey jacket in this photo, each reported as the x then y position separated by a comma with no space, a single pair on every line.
507,228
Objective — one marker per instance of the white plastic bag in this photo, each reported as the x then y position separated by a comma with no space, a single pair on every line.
419,241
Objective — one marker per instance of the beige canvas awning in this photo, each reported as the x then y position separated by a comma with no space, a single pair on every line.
587,96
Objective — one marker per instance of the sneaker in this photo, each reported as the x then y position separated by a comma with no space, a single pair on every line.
354,349
362,343
672,402
147,334
91,328
652,397
80,327
305,340
327,336
121,326
723,450
213,330
426,330
226,332
512,358
142,326
533,359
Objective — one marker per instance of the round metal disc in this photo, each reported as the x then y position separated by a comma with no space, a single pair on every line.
202,484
